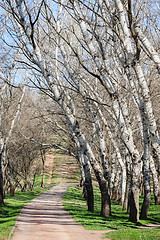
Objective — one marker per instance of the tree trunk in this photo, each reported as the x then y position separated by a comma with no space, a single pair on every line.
113,174
105,200
82,182
146,167
145,205
155,181
1,188
126,199
5,186
152,126
102,144
157,199
115,185
86,180
43,165
128,182
134,205
1,167
123,185
146,43
43,179
81,141
11,185
90,196
135,189
88,185
12,189
147,191
84,192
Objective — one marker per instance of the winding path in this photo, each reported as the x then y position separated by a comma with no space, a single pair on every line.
45,218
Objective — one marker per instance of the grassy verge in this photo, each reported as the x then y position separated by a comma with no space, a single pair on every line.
13,206
123,229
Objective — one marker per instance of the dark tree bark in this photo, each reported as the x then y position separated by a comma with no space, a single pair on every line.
105,200
145,205
43,156
1,188
157,200
147,191
133,207
12,190
87,186
90,196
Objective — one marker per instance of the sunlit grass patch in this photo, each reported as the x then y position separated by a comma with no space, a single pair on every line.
76,205
134,234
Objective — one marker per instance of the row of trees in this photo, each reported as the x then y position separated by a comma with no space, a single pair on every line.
98,63
19,156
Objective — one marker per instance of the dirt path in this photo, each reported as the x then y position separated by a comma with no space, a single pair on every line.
45,218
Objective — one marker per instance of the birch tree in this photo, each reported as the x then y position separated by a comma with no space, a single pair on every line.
130,64
4,141
67,109
102,58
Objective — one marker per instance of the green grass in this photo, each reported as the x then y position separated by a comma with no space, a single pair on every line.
13,206
123,229
135,234
38,180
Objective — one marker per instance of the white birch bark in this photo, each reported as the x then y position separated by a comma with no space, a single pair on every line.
93,50
124,25
102,145
74,128
126,135
148,46
148,109
72,123
128,181
140,75
146,168
116,183
113,173
118,154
